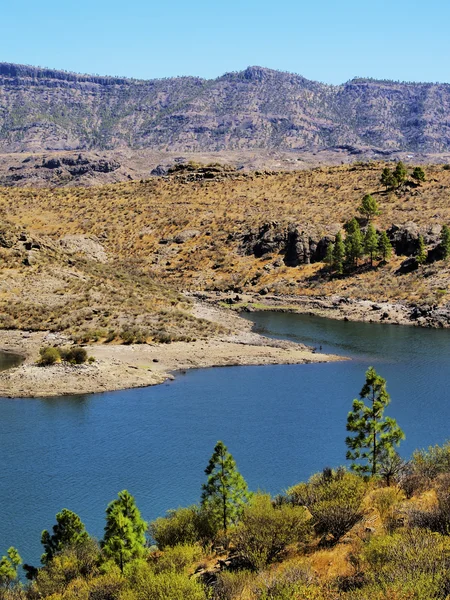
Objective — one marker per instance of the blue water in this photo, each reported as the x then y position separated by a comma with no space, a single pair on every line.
281,423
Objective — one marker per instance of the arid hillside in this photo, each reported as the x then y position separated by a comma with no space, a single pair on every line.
258,108
211,229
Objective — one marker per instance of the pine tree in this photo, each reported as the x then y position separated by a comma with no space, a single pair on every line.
9,565
400,173
329,256
421,252
69,530
124,538
353,242
387,178
338,254
225,493
371,243
418,174
369,207
445,241
385,246
375,434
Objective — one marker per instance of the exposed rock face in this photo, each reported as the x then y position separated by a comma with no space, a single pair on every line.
255,108
89,246
298,246
408,266
405,238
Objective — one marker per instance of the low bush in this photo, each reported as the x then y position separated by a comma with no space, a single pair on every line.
438,518
75,355
184,526
266,530
49,356
176,559
432,462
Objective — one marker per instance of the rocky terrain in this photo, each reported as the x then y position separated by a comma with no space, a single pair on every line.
47,110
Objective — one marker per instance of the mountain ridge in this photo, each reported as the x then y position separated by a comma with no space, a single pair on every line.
257,108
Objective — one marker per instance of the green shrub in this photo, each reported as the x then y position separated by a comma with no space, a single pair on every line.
232,584
266,530
147,585
184,526
176,559
74,355
334,501
49,356
432,462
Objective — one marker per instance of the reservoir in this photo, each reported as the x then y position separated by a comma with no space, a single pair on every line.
281,423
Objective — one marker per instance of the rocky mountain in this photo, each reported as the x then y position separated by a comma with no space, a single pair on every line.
47,110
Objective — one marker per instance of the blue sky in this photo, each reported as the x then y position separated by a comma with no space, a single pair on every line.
327,40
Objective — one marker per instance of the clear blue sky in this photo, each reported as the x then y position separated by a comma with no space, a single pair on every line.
326,40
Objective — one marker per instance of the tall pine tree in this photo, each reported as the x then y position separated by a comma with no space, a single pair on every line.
338,254
371,243
68,531
375,434
225,493
124,538
445,241
421,252
353,242
385,246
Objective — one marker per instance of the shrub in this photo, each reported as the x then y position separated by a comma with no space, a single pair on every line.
232,584
437,519
432,462
74,355
147,585
184,526
386,500
266,530
176,559
334,501
49,356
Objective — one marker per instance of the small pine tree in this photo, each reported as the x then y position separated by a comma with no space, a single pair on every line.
386,178
371,243
385,246
375,434
418,174
421,253
225,493
353,242
369,207
69,530
329,256
445,241
9,565
124,538
400,173
338,254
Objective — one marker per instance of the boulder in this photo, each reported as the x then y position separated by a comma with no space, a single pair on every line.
158,171
404,238
185,235
408,266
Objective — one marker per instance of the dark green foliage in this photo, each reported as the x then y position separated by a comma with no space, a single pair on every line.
75,355
68,531
9,565
225,493
334,500
371,242
385,246
400,173
387,179
374,433
369,207
445,241
265,530
124,538
49,356
421,252
338,254
353,242
183,526
329,260
418,174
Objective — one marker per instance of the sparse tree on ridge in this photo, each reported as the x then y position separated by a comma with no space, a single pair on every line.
385,246
338,254
371,243
421,253
225,492
418,174
445,241
9,566
387,178
369,207
400,173
353,242
374,434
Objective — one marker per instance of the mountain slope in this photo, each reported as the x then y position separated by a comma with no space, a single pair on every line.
43,109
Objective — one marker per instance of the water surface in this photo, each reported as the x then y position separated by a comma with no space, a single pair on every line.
281,423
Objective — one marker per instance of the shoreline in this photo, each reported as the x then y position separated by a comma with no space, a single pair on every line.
333,307
119,367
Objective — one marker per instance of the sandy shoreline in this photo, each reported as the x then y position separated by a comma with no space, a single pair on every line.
119,367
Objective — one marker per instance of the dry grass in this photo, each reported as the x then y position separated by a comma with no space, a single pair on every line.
131,220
